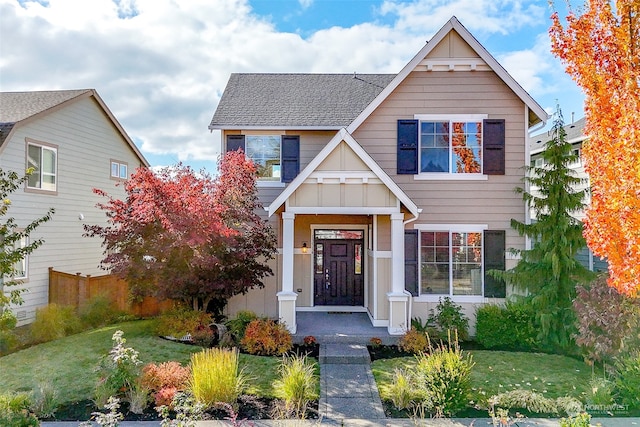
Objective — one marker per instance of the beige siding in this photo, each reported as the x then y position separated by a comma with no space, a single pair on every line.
453,46
493,201
87,141
262,301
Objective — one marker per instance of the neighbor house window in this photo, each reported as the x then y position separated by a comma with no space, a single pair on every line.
265,153
451,146
450,263
43,161
119,170
21,267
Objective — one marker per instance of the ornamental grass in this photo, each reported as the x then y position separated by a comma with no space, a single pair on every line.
216,377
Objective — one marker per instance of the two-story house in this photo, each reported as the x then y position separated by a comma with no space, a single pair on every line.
388,191
74,144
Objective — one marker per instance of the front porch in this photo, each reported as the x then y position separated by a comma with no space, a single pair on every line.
340,327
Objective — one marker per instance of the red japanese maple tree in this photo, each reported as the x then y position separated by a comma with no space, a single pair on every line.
183,235
601,51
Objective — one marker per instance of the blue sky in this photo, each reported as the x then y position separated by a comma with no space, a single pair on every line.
161,65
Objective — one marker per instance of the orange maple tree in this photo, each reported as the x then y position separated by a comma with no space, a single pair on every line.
601,51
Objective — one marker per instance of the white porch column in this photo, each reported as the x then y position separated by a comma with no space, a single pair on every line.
286,297
398,298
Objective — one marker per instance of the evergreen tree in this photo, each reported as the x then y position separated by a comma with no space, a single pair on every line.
549,272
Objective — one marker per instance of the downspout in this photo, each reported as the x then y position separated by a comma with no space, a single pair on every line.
410,308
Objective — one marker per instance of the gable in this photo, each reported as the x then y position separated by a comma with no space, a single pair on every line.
343,178
451,46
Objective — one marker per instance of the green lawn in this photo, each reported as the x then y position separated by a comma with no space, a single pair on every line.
499,371
69,363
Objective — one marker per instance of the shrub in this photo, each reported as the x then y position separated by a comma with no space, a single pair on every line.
401,389
608,322
509,328
164,380
580,420
8,339
118,372
215,376
448,317
266,337
238,325
443,378
414,341
53,322
181,321
297,385
628,379
98,311
14,411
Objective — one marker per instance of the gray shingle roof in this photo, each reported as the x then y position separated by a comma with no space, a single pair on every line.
573,130
292,100
17,106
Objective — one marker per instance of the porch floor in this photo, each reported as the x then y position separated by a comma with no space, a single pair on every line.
338,327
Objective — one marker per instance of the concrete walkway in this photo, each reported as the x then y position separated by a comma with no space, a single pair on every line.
347,387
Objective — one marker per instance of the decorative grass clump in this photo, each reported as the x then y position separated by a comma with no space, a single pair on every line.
297,385
216,377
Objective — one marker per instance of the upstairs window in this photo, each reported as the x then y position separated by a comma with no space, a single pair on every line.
277,157
119,170
451,146
43,160
265,153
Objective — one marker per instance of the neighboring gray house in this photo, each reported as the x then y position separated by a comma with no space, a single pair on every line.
75,144
576,137
387,192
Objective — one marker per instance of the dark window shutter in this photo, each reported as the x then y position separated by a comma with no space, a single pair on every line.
493,146
494,259
290,157
411,261
235,142
407,147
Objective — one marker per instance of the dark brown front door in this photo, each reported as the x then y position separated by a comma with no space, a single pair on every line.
338,271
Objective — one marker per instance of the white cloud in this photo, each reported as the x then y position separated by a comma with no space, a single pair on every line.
161,66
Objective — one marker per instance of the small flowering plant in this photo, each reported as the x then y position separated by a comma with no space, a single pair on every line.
310,340
375,342
118,371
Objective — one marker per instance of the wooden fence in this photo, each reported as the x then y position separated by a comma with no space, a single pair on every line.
76,289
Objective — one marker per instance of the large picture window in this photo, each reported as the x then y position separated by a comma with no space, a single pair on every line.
448,146
265,153
43,160
450,263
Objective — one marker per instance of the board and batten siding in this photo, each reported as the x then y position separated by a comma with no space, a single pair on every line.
491,201
87,141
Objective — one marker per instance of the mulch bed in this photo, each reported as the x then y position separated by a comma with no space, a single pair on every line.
249,407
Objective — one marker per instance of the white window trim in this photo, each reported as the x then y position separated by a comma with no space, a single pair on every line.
451,228
120,164
443,176
46,146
